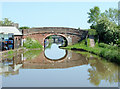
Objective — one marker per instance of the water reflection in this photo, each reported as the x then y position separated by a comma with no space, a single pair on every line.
41,62
11,66
54,52
96,72
31,54
102,70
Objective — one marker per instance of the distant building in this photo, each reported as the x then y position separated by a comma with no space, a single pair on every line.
16,25
11,37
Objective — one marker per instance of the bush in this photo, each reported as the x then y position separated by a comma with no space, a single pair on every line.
118,45
30,43
108,54
118,42
92,32
108,46
10,52
102,53
25,27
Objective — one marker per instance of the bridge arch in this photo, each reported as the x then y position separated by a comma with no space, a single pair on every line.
62,35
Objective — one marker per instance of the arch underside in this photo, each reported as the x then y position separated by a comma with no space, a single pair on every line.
64,37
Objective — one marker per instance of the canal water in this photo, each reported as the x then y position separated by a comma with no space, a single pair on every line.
55,67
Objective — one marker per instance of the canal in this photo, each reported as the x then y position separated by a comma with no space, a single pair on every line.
55,67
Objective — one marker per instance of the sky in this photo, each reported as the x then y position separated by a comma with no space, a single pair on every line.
52,14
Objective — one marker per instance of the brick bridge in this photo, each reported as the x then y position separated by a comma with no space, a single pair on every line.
72,35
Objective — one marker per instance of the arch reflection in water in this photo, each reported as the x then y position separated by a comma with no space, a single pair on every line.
55,53
51,46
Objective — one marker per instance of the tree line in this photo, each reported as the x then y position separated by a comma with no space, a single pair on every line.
7,22
106,24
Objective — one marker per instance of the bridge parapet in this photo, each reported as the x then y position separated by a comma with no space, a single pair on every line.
71,34
53,30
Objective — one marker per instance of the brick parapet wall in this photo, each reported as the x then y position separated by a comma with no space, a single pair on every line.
52,29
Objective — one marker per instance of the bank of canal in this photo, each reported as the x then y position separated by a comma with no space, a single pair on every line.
108,52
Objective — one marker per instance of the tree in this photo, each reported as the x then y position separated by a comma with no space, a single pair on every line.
6,22
105,24
111,14
118,40
79,28
107,31
94,15
25,27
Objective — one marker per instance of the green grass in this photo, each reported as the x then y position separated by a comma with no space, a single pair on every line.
112,47
10,52
31,44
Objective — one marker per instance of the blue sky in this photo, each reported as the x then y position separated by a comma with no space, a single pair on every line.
52,14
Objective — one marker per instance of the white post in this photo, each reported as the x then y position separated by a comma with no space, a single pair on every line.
22,42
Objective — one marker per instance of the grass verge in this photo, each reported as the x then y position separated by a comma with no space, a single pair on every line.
31,44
